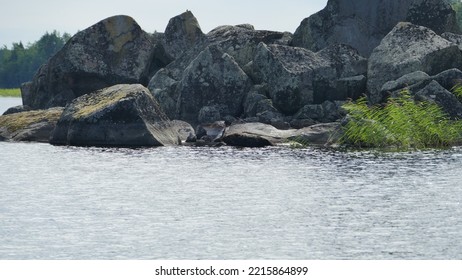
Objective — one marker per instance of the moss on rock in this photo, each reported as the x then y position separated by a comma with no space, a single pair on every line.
19,121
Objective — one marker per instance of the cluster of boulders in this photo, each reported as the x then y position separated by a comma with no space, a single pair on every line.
120,86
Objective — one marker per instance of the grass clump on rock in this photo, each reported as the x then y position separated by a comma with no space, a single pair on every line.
401,123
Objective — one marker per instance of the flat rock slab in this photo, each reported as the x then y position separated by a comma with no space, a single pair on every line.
261,135
35,126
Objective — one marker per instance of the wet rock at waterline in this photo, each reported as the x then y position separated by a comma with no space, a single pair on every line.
35,126
121,115
261,135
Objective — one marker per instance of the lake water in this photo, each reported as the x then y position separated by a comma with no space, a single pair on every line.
7,102
228,203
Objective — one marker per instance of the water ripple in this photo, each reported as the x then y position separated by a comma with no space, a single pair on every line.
228,203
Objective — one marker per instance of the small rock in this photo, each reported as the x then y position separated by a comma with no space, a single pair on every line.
17,109
35,126
434,92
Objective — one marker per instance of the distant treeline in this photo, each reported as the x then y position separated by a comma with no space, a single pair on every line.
19,63
457,6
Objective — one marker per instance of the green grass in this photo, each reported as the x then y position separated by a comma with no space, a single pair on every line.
402,123
10,92
457,90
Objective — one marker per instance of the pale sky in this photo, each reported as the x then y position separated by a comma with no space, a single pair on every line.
28,20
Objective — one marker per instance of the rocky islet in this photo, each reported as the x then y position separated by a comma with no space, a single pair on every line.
245,78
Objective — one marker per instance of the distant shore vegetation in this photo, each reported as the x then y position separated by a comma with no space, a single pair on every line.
10,92
19,63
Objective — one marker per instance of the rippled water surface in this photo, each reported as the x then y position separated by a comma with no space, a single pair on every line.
228,203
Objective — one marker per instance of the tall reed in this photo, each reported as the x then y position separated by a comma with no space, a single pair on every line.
401,123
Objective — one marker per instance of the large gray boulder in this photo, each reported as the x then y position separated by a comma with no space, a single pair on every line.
406,49
212,79
182,33
363,23
34,126
121,115
240,42
113,51
297,77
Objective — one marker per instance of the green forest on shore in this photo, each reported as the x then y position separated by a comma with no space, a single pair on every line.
19,63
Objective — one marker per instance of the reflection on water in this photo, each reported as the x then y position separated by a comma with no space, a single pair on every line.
228,203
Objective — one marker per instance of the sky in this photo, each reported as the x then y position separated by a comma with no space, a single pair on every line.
28,20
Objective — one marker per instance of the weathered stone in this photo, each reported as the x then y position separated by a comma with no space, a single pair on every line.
182,33
297,77
406,49
35,126
241,42
26,94
212,131
209,114
121,115
437,15
160,56
312,111
269,116
254,135
436,93
253,104
280,124
328,111
301,123
324,134
350,88
260,135
17,109
184,129
212,79
163,88
449,78
364,23
404,81
113,51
